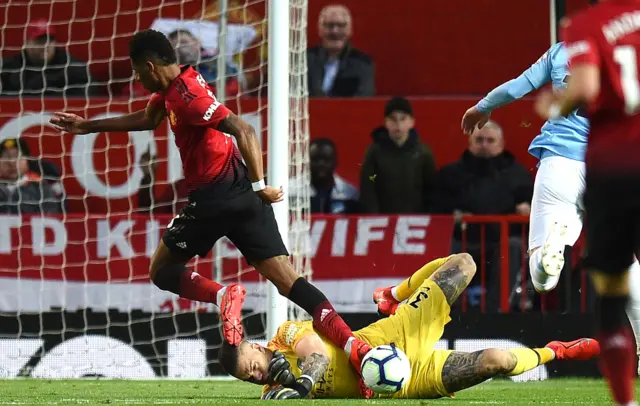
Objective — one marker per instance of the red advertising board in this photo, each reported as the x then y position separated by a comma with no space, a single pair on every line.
56,254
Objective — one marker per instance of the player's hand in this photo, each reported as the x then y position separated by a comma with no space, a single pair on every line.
68,122
271,194
281,393
543,103
473,118
280,370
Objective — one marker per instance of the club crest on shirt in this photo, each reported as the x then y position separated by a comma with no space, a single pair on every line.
172,118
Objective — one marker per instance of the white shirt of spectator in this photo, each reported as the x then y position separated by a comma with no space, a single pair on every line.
342,190
330,73
239,36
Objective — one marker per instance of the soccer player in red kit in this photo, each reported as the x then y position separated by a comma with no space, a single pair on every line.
226,198
603,46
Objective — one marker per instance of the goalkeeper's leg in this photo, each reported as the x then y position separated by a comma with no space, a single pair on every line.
463,370
390,297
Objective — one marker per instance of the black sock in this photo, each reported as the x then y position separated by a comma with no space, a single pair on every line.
306,295
612,313
169,276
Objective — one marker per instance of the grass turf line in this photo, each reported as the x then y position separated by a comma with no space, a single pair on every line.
173,392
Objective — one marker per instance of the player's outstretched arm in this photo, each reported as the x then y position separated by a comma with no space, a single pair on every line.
478,115
147,119
533,78
252,154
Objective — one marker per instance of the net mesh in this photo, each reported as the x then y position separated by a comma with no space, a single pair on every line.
82,215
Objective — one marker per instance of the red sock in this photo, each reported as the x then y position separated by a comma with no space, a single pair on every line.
617,363
329,323
195,287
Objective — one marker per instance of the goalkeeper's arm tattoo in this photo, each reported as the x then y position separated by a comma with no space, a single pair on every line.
314,366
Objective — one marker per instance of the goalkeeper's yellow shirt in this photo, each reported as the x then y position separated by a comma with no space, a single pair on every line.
340,380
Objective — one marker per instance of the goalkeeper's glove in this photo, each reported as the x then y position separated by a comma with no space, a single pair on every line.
303,385
280,370
299,390
281,393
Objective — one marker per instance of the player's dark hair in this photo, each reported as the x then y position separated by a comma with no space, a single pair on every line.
228,358
151,45
174,34
324,142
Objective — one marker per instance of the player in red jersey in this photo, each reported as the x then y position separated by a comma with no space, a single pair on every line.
226,198
603,46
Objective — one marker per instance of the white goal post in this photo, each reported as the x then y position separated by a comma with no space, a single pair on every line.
278,135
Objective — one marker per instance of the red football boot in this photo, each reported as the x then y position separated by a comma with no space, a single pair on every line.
387,304
581,350
231,313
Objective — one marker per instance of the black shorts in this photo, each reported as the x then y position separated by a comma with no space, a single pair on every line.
612,205
243,217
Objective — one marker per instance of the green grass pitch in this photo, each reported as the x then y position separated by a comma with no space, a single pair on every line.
205,392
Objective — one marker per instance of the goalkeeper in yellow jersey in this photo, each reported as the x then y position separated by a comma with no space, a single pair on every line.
298,362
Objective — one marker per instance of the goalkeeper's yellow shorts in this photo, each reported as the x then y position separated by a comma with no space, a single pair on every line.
415,328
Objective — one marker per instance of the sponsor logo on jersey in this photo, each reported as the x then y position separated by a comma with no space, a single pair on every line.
172,118
209,113
290,334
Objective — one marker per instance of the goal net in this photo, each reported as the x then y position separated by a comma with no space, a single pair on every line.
80,216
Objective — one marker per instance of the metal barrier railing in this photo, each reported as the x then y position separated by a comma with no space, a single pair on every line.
493,256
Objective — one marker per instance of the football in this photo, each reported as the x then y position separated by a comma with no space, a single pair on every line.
386,369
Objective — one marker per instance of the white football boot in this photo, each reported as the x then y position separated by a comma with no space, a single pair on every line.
553,250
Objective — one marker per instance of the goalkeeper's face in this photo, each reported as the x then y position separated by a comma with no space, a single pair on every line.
253,363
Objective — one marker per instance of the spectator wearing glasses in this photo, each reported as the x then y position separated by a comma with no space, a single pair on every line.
336,69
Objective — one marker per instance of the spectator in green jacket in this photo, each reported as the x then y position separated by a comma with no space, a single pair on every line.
398,173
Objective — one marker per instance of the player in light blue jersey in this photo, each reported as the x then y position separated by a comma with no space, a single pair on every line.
556,208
